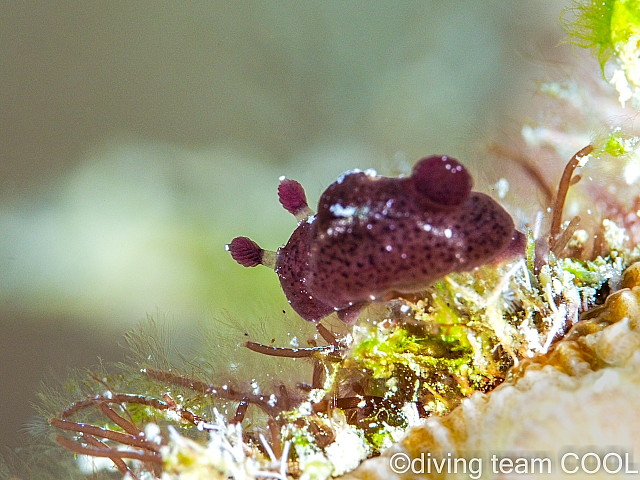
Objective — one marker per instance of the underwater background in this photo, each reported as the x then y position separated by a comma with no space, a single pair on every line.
138,138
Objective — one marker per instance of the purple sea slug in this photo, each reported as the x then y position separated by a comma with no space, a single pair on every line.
376,237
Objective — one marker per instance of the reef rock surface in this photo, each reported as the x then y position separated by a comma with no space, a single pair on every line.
580,401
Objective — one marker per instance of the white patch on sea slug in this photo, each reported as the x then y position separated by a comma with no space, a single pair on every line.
347,173
339,211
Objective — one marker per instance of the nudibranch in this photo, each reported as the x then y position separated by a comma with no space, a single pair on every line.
375,237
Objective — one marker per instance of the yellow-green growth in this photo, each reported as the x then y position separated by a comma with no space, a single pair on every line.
625,21
614,145
603,25
591,27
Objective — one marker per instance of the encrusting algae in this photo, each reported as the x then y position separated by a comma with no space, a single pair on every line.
581,397
532,359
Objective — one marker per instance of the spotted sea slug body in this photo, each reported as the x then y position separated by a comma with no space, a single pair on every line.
374,237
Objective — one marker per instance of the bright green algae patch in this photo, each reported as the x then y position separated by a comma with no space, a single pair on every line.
625,21
591,27
603,25
611,28
463,334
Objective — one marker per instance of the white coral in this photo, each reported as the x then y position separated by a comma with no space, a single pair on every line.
626,78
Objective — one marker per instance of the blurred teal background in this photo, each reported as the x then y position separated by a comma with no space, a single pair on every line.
137,138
